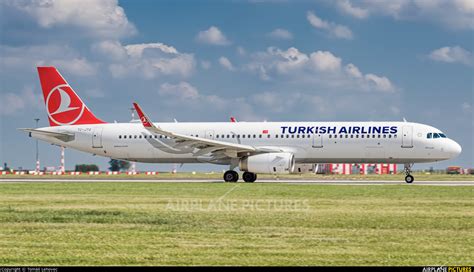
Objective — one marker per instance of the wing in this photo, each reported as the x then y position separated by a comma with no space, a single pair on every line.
218,148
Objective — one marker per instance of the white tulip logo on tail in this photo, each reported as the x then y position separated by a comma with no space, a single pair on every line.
63,106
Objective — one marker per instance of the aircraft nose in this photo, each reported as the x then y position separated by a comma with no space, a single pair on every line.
453,148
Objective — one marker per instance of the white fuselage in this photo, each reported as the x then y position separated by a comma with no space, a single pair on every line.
390,142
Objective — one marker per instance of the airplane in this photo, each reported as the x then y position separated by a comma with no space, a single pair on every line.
253,147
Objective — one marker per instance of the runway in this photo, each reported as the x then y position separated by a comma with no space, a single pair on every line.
287,181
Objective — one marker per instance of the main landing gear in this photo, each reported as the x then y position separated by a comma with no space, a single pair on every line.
232,176
408,178
249,177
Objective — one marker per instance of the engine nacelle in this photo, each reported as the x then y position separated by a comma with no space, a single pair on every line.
301,168
268,163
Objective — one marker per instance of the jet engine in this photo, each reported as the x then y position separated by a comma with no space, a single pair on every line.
268,163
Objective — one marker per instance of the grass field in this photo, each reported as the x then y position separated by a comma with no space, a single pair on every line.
218,176
234,224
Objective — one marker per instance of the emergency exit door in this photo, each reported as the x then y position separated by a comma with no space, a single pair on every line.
317,140
209,134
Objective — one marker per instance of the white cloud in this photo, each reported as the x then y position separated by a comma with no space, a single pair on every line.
136,50
353,71
212,36
347,7
455,54
111,49
320,67
281,34
455,14
63,57
15,102
338,31
225,62
182,90
150,60
325,61
76,66
100,18
381,83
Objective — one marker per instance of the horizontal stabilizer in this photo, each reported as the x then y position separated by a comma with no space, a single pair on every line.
65,137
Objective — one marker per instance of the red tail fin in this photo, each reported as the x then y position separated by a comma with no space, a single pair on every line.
63,105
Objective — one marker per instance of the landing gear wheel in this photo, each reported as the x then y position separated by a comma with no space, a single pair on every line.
231,176
409,179
249,177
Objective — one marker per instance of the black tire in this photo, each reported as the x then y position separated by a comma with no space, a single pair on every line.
409,178
249,177
231,176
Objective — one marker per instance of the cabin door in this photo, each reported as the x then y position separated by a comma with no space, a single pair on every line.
407,137
97,137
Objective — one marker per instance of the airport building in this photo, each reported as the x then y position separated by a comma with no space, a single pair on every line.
357,168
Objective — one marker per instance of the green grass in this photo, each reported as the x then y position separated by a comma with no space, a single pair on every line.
234,224
218,176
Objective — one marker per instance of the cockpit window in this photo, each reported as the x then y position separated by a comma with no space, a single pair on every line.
434,135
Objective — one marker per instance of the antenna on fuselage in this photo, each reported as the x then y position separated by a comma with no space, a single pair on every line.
404,120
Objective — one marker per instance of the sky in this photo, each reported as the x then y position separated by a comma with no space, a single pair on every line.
340,60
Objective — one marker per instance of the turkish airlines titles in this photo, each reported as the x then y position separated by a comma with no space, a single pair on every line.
339,130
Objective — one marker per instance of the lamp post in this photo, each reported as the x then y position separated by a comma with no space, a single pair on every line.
37,149
134,165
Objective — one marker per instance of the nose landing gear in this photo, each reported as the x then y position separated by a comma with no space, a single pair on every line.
408,177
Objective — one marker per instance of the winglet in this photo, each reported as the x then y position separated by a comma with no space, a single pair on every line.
145,120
